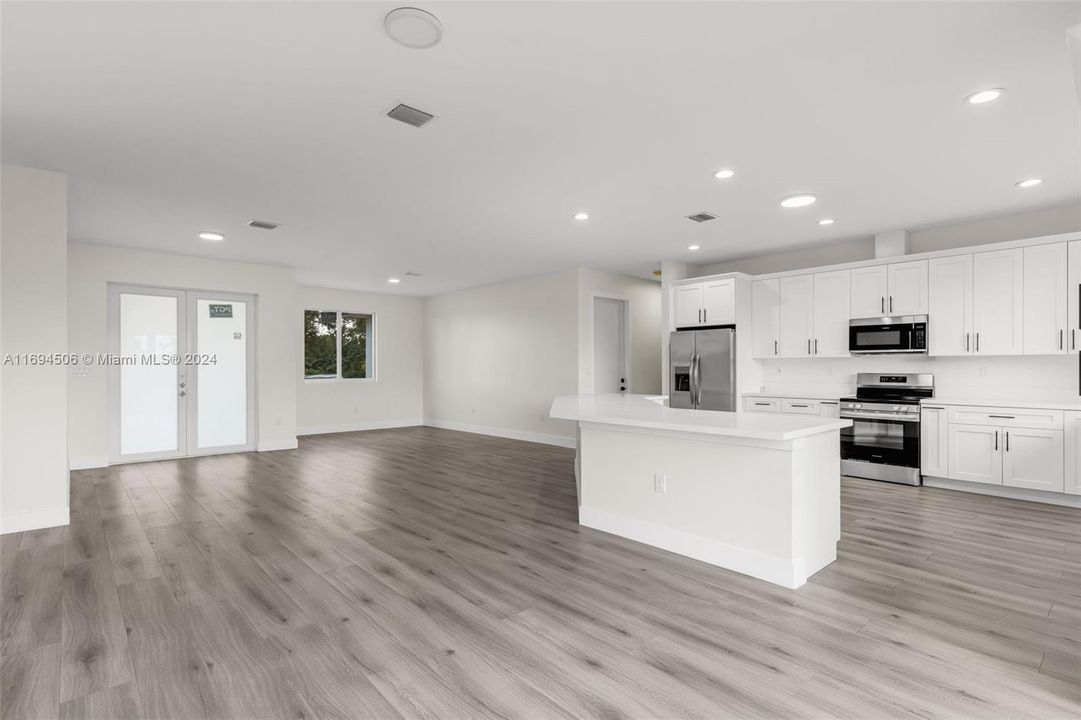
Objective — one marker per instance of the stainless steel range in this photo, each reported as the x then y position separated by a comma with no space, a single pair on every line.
884,440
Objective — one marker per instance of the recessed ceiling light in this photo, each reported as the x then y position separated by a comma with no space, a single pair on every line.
692,248
1029,182
211,236
723,174
825,221
394,281
985,96
581,216
413,28
798,201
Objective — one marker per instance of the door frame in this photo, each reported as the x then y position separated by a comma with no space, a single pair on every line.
625,303
187,412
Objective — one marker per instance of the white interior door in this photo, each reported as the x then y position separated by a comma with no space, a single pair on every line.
184,382
609,345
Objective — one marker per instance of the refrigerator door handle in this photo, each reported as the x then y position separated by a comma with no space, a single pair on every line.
694,379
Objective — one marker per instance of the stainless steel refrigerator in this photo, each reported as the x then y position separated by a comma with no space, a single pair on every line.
702,366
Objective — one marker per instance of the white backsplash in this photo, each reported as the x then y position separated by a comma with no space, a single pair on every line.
1032,377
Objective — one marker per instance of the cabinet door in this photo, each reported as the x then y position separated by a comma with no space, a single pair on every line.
1072,480
719,302
688,301
997,302
869,291
949,306
907,285
796,315
1073,295
762,404
765,306
832,303
975,453
1032,459
934,441
1044,292
829,409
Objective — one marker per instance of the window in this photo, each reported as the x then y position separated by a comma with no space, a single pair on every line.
337,345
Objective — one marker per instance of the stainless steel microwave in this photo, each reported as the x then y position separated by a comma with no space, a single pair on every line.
886,335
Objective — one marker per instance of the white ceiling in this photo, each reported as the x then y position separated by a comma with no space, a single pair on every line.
173,118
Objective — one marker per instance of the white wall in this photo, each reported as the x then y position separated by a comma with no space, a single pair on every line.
644,322
1035,223
495,356
395,398
93,266
34,309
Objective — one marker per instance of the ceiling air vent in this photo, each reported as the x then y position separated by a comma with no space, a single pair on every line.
410,273
262,224
702,217
410,115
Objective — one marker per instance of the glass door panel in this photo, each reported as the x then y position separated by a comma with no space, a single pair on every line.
150,338
221,372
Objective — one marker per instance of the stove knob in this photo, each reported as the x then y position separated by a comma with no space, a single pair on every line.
896,408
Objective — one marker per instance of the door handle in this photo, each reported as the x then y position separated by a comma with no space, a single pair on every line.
808,346
774,347
891,303
883,304
977,342
1007,441
996,440
705,315
699,316
967,336
1061,339
1002,417
182,393
816,346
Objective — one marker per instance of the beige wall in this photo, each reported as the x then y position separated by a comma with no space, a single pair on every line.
94,266
495,356
1035,223
644,309
395,398
34,309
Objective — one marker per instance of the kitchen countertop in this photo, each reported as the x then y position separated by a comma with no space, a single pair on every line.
650,411
994,402
800,396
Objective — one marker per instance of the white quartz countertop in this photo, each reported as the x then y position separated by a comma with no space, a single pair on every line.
648,411
800,396
995,402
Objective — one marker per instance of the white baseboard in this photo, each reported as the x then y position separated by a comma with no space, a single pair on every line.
558,440
764,567
34,520
1041,496
276,444
359,426
88,462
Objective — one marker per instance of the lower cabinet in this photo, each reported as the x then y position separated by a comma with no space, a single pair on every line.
1032,459
974,454
1072,433
934,441
798,406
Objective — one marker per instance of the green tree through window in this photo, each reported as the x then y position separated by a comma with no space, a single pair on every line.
321,345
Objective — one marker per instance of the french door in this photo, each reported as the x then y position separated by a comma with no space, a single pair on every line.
182,373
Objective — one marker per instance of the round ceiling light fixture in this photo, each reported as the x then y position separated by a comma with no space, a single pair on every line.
414,28
211,236
581,216
394,281
798,201
692,248
1030,182
825,221
723,174
985,96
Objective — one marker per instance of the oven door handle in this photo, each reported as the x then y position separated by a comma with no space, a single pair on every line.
845,415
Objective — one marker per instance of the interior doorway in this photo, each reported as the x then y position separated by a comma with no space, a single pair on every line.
182,372
611,373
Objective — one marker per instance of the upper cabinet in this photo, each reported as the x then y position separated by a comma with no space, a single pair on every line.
802,315
949,306
1073,295
765,297
796,316
997,302
711,302
1044,287
832,295
893,289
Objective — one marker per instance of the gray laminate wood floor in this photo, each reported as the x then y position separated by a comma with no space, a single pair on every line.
423,573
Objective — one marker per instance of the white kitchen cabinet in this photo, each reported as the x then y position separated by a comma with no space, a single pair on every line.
796,316
1073,295
906,288
869,291
1072,475
799,406
765,297
1032,459
974,453
934,441
762,404
998,302
829,408
831,308
688,301
1044,293
719,302
949,306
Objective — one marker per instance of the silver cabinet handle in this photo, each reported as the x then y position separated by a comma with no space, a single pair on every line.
996,440
803,406
1002,417
891,303
977,342
1007,441
816,346
699,316
967,337
1073,339
774,347
1061,339
705,315
808,346
883,303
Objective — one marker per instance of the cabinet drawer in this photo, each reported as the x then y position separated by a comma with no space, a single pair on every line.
1007,417
795,405
762,404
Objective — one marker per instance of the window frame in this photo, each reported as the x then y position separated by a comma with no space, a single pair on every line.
370,352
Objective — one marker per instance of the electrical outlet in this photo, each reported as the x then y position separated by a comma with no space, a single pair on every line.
985,371
660,483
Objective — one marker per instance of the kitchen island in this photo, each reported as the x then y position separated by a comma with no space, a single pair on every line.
752,492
